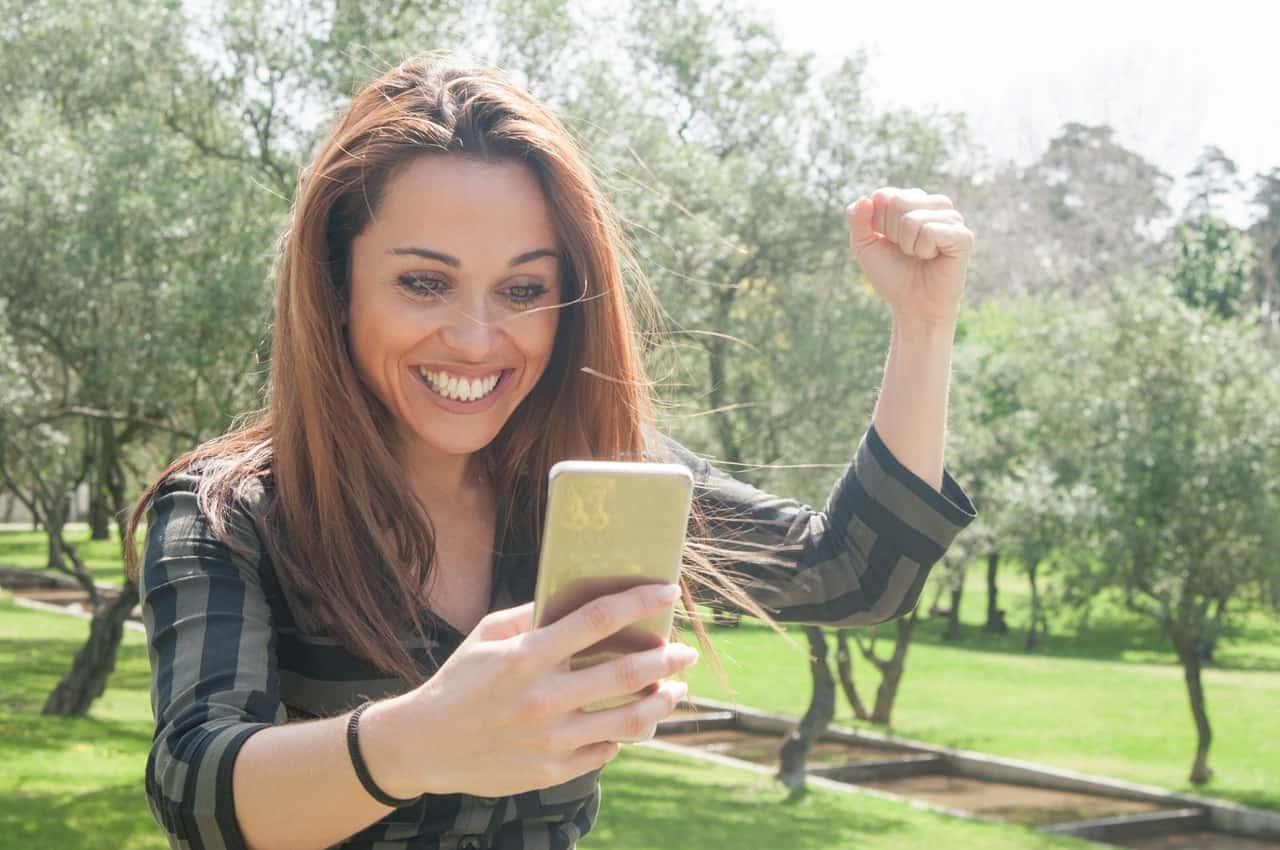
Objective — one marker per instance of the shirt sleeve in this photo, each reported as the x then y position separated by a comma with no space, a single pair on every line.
862,559
213,673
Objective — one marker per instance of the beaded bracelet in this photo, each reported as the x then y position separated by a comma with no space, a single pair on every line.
362,770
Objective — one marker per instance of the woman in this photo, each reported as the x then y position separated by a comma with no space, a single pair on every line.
450,322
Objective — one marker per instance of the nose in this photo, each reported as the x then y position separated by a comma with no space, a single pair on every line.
471,329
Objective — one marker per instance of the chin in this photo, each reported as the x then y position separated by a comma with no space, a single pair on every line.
453,444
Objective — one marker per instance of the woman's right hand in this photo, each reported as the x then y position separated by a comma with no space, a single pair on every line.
503,713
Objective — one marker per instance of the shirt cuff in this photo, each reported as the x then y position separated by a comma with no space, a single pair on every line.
952,503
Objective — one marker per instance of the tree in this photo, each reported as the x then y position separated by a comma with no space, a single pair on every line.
1085,211
1212,263
822,707
1265,233
1042,517
1184,460
1212,266
733,180
127,254
1213,177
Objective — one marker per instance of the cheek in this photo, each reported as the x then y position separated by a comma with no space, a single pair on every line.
538,337
378,332
362,342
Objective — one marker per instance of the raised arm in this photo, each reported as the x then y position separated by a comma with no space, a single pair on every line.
861,560
865,557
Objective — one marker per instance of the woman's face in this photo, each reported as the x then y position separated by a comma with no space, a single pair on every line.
455,287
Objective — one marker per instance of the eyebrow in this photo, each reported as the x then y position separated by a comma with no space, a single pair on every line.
450,260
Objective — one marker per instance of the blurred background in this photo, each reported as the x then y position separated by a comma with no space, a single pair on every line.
1115,402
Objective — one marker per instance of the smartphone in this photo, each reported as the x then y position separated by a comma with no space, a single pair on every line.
611,526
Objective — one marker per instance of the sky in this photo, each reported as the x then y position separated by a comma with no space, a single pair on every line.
1170,77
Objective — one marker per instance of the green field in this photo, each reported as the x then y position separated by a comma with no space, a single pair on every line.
77,784
30,549
1106,698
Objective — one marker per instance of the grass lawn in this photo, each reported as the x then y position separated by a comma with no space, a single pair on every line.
71,782
1106,698
77,784
655,801
102,557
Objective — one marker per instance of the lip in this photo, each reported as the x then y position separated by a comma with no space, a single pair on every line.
455,406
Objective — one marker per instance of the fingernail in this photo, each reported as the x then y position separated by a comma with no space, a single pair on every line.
685,653
667,592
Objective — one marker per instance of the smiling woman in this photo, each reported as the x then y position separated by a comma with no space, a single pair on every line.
338,594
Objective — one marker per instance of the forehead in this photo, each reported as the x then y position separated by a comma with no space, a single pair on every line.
464,206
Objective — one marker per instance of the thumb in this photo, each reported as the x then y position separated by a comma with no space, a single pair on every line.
876,253
861,234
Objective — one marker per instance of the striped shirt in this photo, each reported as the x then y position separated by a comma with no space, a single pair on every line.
228,658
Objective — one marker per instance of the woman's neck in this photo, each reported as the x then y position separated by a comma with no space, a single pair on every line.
445,480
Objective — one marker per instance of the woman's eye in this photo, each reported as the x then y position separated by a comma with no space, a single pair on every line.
526,293
419,284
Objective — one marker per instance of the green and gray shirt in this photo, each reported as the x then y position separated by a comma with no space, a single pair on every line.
228,657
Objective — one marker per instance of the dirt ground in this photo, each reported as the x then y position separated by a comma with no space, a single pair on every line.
764,749
1004,802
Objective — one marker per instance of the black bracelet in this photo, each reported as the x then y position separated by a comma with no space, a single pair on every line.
362,770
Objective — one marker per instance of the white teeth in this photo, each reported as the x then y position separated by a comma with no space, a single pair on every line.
460,388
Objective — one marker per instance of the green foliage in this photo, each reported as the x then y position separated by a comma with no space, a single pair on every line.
1213,266
732,177
1186,409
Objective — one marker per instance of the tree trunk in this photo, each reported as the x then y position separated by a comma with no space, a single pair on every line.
891,672
117,486
1189,655
55,518
1033,628
1209,640
99,515
953,616
795,752
995,615
726,619
101,496
81,573
844,666
87,678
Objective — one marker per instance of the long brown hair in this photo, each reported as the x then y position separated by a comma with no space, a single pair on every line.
342,531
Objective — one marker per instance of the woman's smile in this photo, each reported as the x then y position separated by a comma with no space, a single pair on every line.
463,392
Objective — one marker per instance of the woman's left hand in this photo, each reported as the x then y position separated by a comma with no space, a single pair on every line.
914,248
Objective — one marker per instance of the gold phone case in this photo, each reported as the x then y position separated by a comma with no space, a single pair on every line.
611,526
